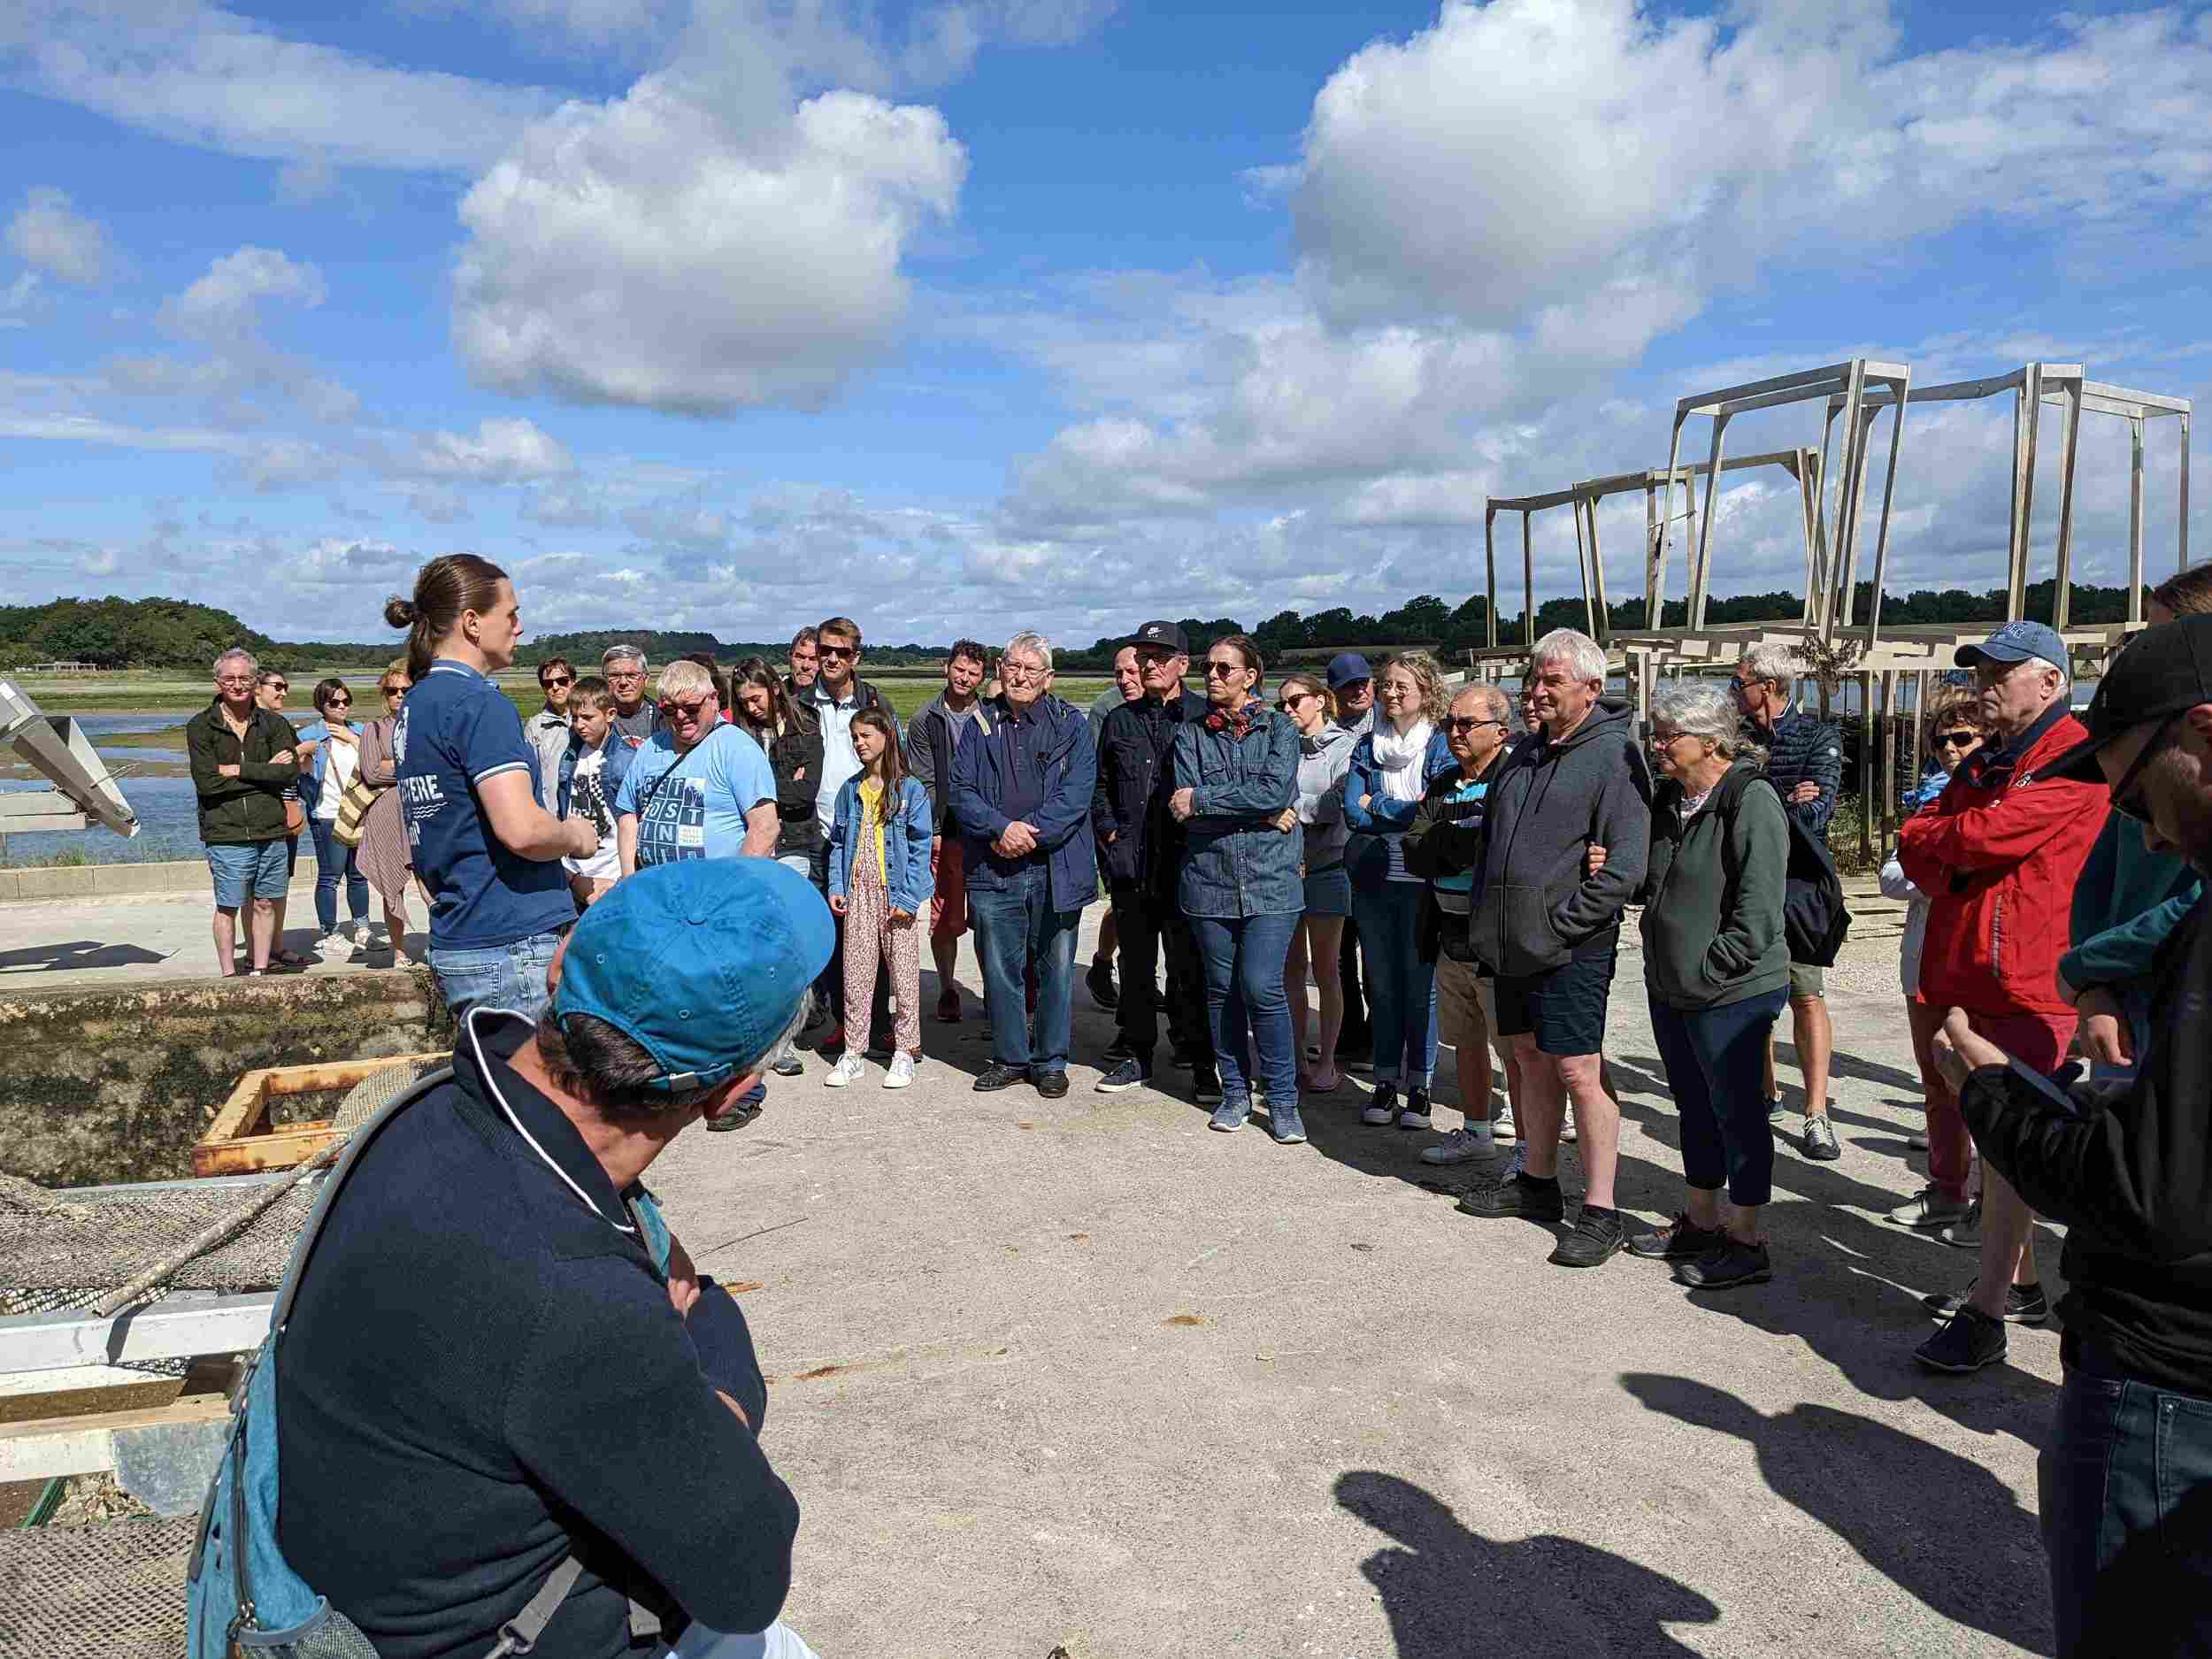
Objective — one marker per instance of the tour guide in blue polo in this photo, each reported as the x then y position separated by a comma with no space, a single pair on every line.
488,1385
1022,779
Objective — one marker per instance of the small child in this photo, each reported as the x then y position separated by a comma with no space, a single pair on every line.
591,776
879,881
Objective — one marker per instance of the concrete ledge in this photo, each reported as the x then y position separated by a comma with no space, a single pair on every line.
42,882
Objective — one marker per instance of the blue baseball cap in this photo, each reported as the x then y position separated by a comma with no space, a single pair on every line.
2015,642
702,963
1347,666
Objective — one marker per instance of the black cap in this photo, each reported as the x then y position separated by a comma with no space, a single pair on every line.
1163,633
2159,672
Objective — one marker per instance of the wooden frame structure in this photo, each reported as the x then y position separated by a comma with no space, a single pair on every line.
241,1141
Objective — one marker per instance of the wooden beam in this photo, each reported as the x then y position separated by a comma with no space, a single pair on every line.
279,1149
174,1329
1528,585
2135,521
44,1448
2069,437
1490,564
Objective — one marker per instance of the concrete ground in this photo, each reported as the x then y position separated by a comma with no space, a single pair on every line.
1080,1374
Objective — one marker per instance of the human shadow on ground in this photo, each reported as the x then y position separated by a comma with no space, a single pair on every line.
74,956
1449,1591
1940,1526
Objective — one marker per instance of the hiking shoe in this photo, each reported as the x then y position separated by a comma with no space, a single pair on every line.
1382,1106
1205,1086
2024,1305
849,1069
791,1067
1100,982
1131,1073
1051,1084
997,1077
1681,1240
1727,1265
1462,1146
1820,1140
1520,1195
1929,1208
1970,1341
1229,1116
1284,1124
901,1072
948,1009
1501,1122
1598,1235
1415,1115
1966,1233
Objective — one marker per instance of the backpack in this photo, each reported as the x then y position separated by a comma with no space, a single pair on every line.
1815,918
243,1596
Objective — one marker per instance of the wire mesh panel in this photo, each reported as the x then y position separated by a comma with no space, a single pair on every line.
109,1592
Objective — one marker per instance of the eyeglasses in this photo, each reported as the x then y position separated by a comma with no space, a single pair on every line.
554,682
691,710
1956,740
1222,671
339,702
2127,794
1468,722
842,653
626,673
234,679
1666,740
1023,672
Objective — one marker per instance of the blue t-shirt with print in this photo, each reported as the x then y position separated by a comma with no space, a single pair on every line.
693,805
455,730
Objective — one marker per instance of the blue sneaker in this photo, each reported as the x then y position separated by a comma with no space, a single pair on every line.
1229,1116
1283,1123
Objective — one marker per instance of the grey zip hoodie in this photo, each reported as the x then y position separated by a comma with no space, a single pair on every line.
1536,908
1322,760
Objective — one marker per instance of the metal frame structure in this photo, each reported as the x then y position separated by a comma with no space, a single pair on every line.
82,791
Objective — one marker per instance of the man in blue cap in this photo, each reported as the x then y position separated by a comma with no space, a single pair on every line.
1997,854
490,1379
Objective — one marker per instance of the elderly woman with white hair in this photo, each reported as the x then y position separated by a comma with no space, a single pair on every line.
699,788
1717,969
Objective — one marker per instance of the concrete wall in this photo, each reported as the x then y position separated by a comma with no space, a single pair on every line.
111,881
116,1084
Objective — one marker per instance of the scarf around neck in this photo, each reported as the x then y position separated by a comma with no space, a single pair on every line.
1236,722
1398,758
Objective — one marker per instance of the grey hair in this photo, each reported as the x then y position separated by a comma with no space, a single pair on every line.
615,654
238,654
1581,653
1771,659
1496,704
1034,644
1709,711
589,1058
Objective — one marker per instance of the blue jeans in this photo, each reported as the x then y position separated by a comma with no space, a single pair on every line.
1715,1064
1401,987
332,861
1018,928
1245,998
512,977
2125,1495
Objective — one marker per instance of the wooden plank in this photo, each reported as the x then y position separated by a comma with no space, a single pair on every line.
47,1447
2135,521
244,1112
1889,757
281,1149
2069,437
334,1074
73,1390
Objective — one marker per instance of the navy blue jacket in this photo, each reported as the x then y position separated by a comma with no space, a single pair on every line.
1804,749
1236,861
1065,846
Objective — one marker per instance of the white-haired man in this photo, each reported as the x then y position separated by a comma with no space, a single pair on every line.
244,759
1548,927
624,668
1805,765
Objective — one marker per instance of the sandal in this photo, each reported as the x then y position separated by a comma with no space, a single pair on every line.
291,959
1335,1082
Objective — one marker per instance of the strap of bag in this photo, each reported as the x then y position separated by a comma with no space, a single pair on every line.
521,1634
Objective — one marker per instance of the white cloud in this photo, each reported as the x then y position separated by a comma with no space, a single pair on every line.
645,251
305,183
16,300
499,452
227,299
49,235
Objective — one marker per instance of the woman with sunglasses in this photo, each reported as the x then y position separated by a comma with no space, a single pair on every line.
1325,753
336,745
382,855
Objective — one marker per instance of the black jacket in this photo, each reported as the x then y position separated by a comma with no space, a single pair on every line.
1135,778
249,807
931,738
795,756
1447,837
2132,1181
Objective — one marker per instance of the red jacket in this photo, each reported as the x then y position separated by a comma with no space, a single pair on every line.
1998,857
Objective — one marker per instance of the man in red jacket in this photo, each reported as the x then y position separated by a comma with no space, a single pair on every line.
1998,853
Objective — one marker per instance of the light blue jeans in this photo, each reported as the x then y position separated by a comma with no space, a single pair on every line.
1247,1003
512,977
777,1642
1401,987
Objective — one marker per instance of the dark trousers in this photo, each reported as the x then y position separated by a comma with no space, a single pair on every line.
830,986
1356,1036
1715,1064
1152,925
2125,1490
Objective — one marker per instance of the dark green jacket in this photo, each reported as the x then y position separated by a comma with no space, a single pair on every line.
251,806
1713,897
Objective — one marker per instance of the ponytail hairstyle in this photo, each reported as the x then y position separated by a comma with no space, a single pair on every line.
893,765
449,585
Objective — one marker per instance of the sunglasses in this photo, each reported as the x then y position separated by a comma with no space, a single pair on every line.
1222,671
1468,722
339,702
675,711
277,688
553,682
2127,798
842,653
1958,739
392,691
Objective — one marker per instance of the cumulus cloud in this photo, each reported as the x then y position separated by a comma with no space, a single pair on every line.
646,252
498,452
227,300
49,235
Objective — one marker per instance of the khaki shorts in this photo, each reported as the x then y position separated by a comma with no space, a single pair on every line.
1467,1011
1807,980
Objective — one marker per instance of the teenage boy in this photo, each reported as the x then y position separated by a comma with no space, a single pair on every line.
588,780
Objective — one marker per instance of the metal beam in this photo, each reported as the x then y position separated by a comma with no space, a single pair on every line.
174,1329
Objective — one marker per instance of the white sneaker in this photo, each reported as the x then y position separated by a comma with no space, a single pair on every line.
1462,1146
851,1068
1567,1127
1501,1121
901,1071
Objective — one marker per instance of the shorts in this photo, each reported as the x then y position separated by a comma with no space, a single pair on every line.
1467,1009
1328,892
1563,1009
948,904
259,869
1807,980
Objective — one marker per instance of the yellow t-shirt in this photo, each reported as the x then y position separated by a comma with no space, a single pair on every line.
871,825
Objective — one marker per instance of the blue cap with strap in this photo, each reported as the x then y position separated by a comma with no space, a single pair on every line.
702,963
2016,642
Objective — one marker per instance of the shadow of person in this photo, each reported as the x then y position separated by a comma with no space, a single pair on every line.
1449,1591
74,954
1902,1502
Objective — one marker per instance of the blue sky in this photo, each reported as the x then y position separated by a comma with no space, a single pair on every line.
998,314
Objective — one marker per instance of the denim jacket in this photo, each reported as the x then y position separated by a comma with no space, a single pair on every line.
1238,862
1065,844
611,774
1367,852
906,836
310,785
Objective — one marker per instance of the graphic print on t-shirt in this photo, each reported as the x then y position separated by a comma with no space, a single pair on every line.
674,822
587,795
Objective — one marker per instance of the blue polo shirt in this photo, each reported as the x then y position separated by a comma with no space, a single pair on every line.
456,729
693,805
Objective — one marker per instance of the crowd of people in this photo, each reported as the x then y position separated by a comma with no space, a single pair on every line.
1440,864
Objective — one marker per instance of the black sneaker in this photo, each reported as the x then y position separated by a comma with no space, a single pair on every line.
1131,1073
1728,1264
1597,1236
2024,1305
997,1077
1681,1240
1820,1140
1205,1086
792,1067
1051,1084
1971,1341
1518,1194
1100,981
